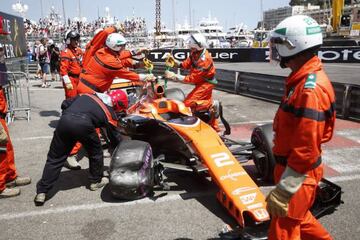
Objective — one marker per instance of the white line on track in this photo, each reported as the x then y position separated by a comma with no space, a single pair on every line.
251,122
93,206
341,65
168,198
46,89
31,138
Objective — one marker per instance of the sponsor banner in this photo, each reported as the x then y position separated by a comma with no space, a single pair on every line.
327,54
12,36
218,54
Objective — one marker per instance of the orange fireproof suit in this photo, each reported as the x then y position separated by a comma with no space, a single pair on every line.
99,73
7,163
71,65
304,120
96,43
202,74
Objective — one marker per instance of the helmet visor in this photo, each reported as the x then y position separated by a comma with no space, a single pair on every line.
274,44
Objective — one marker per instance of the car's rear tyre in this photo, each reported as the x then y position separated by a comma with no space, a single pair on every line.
262,139
131,170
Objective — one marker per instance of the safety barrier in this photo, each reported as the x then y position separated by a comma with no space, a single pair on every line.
271,88
347,101
354,103
262,86
16,89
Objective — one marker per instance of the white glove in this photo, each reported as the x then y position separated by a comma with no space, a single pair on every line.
69,86
146,77
279,198
172,76
3,135
66,79
67,82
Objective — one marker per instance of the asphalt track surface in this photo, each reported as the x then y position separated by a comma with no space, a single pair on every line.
188,211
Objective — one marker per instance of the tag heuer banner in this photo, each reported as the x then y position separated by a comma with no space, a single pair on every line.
326,54
12,36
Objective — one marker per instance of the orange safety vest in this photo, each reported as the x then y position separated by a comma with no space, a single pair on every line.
96,43
3,103
70,63
202,74
110,116
306,117
201,67
102,69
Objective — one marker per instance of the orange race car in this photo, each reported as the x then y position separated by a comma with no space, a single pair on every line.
163,133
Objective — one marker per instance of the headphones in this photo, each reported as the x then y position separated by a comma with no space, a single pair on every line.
67,40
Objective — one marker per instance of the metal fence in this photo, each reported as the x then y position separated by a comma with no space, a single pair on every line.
16,89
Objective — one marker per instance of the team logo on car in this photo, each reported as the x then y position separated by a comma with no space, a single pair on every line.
222,159
254,206
248,198
261,213
240,190
232,176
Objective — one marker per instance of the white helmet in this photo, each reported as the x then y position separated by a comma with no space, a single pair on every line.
115,41
197,41
296,34
50,42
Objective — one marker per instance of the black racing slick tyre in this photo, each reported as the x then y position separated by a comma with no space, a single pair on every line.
176,94
262,139
131,170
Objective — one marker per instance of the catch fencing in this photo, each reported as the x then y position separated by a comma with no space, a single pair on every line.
16,89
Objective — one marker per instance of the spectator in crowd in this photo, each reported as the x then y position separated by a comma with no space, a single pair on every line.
36,49
44,61
54,52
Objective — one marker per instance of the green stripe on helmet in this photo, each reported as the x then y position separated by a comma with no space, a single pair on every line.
313,30
281,31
